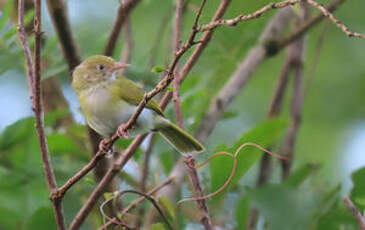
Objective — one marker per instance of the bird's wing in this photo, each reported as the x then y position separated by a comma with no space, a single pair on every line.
130,92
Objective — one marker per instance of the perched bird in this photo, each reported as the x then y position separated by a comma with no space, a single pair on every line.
108,100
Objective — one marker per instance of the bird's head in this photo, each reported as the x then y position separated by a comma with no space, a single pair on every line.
95,70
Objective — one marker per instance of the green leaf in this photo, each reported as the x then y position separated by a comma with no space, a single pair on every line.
337,218
16,132
358,191
169,88
60,144
242,211
167,160
6,10
90,180
285,204
300,175
51,117
157,226
108,195
221,166
230,114
166,206
157,69
42,219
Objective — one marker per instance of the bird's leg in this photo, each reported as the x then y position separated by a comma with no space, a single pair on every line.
122,132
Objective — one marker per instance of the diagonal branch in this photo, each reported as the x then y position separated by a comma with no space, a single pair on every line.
327,13
57,11
124,10
246,17
356,212
34,75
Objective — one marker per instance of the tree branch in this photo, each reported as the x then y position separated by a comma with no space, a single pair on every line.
58,13
137,201
124,10
34,75
327,13
243,17
307,25
356,212
176,82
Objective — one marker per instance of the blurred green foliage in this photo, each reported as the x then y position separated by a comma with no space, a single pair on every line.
311,198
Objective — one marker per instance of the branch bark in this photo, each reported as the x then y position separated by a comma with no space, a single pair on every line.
34,75
356,212
58,13
124,10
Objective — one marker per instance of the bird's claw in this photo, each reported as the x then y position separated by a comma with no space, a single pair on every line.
122,132
104,146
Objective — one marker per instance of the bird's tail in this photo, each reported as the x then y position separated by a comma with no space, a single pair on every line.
178,138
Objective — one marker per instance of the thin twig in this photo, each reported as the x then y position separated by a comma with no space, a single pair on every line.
246,17
302,29
356,212
337,22
317,54
145,173
137,201
205,218
296,53
233,171
124,10
146,196
274,5
34,75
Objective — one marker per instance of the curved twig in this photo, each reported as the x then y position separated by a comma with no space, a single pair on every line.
233,171
146,196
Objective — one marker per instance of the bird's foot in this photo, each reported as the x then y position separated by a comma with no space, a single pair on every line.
122,132
104,146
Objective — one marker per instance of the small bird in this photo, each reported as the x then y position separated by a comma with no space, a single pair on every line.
108,100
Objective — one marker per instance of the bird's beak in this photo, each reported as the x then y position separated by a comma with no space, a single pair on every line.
118,66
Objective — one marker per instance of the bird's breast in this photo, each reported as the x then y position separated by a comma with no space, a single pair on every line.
104,114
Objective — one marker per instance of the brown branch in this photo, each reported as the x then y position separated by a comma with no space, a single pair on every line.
34,75
337,22
356,212
179,171
157,41
145,173
205,218
307,25
58,13
137,201
128,43
243,17
149,198
315,61
176,83
124,10
296,53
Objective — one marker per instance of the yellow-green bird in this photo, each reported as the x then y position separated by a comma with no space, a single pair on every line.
108,100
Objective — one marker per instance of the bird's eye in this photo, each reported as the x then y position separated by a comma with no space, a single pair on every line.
100,67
